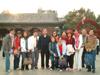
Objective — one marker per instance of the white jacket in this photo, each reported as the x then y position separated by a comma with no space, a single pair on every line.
23,45
80,42
31,42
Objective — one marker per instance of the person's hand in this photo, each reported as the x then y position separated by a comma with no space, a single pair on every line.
19,47
26,51
6,51
55,55
77,50
89,50
40,51
62,56
31,51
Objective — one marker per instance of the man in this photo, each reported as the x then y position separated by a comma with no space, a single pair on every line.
7,47
84,34
33,46
44,48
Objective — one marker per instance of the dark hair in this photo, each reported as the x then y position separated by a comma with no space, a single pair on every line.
74,29
35,30
53,32
23,34
51,41
63,31
93,30
59,37
12,29
84,29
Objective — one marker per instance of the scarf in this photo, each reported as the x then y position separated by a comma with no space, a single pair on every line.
91,37
59,43
64,37
77,40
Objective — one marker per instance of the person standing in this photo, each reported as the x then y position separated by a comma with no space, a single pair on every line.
79,49
70,41
90,45
24,49
84,35
61,50
55,35
33,43
7,47
0,42
53,52
17,48
44,48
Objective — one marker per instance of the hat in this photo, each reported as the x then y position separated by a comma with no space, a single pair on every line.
69,31
18,32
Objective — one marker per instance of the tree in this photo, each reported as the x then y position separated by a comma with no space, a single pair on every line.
74,17
40,10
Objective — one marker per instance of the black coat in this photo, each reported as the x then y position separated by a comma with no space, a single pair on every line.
41,42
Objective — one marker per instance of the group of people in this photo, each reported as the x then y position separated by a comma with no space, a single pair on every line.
56,47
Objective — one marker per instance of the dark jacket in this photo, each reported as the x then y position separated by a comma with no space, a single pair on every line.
51,49
41,42
7,42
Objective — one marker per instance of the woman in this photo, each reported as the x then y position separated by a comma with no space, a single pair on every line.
64,36
16,51
55,35
90,45
78,49
61,50
70,41
24,49
53,51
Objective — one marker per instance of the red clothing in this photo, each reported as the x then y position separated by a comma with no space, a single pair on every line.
64,38
16,45
70,41
60,48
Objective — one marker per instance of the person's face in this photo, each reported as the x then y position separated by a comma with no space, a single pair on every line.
35,34
69,34
63,34
60,40
91,32
25,34
19,35
53,39
84,32
12,32
45,32
75,32
54,33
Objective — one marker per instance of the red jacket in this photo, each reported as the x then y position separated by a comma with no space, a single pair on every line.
16,45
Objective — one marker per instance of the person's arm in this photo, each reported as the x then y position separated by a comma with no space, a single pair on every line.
64,49
86,40
15,43
29,43
40,43
80,41
50,49
5,43
73,43
22,45
94,44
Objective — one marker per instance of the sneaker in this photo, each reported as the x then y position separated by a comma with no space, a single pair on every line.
76,69
93,71
32,68
67,69
51,69
8,71
88,70
36,67
60,70
70,69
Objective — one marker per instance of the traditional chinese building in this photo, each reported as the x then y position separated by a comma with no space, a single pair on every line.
29,22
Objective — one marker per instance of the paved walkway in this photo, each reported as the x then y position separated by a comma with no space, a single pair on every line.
45,71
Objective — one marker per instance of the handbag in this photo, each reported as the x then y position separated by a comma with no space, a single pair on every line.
88,59
62,62
16,51
25,61
30,60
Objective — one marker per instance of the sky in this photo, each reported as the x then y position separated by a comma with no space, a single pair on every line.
61,6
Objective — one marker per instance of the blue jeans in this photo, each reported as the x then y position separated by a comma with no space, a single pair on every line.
23,56
54,60
7,55
16,61
66,58
93,52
